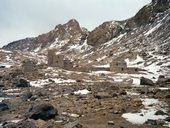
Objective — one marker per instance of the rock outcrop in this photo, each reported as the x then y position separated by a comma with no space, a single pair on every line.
43,112
104,33
146,81
22,83
148,13
3,106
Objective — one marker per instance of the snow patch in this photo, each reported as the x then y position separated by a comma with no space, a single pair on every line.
101,72
132,93
135,63
102,66
136,81
102,58
151,106
148,101
164,88
11,90
37,49
40,83
82,92
70,114
153,29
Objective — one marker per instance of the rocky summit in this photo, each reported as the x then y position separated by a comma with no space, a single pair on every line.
115,76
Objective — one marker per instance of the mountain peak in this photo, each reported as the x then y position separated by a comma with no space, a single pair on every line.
73,21
148,13
68,31
160,5
161,2
72,24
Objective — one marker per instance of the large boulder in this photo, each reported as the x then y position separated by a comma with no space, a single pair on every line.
26,95
22,83
160,112
162,80
3,106
43,112
146,81
1,77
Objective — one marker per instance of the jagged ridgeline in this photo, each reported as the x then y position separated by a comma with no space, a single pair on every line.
151,15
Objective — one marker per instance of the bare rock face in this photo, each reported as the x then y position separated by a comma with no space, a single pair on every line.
71,30
148,13
104,33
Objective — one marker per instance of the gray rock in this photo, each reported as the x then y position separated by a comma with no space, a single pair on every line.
3,106
167,119
42,111
22,83
151,122
160,112
26,95
146,81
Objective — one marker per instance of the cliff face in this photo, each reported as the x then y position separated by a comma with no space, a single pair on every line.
148,13
104,33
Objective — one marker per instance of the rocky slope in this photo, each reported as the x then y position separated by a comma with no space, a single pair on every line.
104,33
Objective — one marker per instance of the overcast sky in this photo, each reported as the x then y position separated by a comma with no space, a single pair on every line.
27,18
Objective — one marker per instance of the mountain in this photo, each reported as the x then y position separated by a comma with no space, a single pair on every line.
146,34
154,15
146,18
148,13
69,33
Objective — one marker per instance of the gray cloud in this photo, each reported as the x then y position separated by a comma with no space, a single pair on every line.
27,18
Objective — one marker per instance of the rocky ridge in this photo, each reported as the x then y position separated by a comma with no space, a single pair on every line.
71,32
